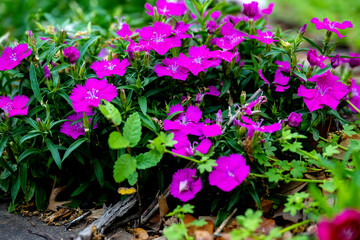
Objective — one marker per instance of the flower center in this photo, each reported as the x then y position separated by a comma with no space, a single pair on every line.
355,92
13,57
197,60
157,37
174,68
322,90
7,108
230,174
268,35
349,233
92,94
183,186
79,125
111,66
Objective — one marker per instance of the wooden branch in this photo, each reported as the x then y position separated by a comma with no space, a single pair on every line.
105,221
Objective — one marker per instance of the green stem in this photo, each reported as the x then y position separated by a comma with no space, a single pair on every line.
339,146
295,226
302,152
290,179
181,156
353,106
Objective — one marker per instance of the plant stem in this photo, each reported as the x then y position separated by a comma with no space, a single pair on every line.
353,106
300,151
290,179
181,156
339,146
295,226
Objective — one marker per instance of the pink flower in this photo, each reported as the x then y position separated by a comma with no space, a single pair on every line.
72,54
231,39
344,226
185,184
186,148
172,69
47,72
354,91
167,8
106,68
280,80
198,60
159,37
187,122
328,91
229,172
212,91
331,26
14,106
211,130
123,28
264,37
294,119
11,57
77,129
252,10
253,127
314,59
180,30
355,61
84,98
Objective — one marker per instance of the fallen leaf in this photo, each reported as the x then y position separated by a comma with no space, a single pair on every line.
266,205
345,143
163,207
203,235
171,220
291,188
189,219
266,226
140,234
53,204
61,213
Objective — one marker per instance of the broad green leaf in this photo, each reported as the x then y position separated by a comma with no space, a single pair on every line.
30,192
110,112
98,171
54,152
34,83
132,129
23,176
124,166
72,147
143,104
117,141
148,160
132,179
15,188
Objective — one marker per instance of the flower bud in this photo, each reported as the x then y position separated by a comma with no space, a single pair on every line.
243,98
62,36
294,119
219,118
123,97
335,61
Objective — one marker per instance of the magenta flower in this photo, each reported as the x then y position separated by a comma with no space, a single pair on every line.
354,62
328,91
47,72
84,98
252,10
212,91
354,91
294,119
314,59
231,39
124,30
253,127
180,30
229,172
106,68
224,55
335,61
187,122
14,106
211,130
264,37
280,80
186,148
185,184
137,47
72,54
77,129
172,69
159,37
11,57
167,8
331,26
199,60
344,226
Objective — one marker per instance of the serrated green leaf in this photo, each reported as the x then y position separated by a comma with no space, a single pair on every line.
298,169
132,129
117,141
330,150
124,166
206,166
273,175
132,179
148,159
110,112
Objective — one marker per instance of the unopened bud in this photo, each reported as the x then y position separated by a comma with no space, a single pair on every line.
243,98
123,97
62,36
335,61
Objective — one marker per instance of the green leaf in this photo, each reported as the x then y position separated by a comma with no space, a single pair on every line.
298,169
60,67
124,166
40,198
30,192
28,136
23,176
117,141
348,130
143,104
110,112
98,172
191,7
273,175
132,129
80,189
269,149
173,115
330,150
85,47
15,188
72,147
300,75
251,220
328,186
292,146
313,44
34,83
148,160
225,87
206,166
132,179
54,152
3,142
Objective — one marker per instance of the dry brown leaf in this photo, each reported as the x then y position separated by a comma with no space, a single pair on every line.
171,220
291,188
224,236
345,143
63,212
266,205
53,204
189,219
140,234
203,235
163,207
266,226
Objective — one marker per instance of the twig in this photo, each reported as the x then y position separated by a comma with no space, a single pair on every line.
223,224
69,224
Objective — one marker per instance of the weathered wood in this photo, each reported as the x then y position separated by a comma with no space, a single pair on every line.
105,221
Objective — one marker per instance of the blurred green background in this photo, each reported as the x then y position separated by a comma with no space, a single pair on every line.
16,16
